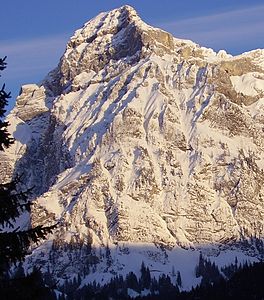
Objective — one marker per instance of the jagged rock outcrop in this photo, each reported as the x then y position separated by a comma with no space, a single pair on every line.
139,137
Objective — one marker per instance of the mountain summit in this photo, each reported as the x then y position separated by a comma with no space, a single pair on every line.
144,144
119,35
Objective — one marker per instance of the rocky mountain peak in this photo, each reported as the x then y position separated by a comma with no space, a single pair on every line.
118,35
141,138
105,23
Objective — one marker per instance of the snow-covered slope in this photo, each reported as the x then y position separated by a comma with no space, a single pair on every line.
141,138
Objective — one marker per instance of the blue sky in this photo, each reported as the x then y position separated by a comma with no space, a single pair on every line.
33,34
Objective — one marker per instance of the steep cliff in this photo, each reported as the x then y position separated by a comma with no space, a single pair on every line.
139,138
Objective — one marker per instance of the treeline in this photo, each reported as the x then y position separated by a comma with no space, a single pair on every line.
123,288
245,283
234,281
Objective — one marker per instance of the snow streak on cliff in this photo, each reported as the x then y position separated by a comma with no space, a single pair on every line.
139,138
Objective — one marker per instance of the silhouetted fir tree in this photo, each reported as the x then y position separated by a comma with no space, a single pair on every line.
208,271
154,285
173,273
166,288
14,243
199,270
132,282
70,287
178,279
116,289
5,139
145,278
230,269
108,256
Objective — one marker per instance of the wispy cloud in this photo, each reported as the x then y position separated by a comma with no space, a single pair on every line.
14,46
28,57
243,26
29,61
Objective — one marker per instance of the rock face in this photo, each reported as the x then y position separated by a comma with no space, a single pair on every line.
139,137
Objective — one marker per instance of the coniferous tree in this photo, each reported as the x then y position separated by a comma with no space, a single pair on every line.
173,271
178,279
14,242
145,279
109,260
200,267
5,139
132,281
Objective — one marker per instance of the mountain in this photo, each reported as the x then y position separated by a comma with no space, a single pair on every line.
141,145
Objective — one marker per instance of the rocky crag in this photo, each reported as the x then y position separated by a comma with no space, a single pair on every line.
139,139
